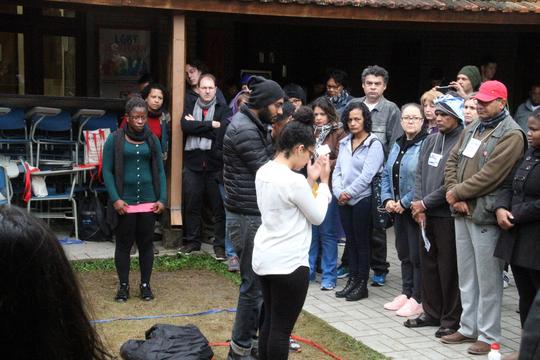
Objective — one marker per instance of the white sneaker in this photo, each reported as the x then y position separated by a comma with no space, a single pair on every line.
506,279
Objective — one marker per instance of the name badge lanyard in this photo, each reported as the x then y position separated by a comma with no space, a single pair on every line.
474,144
435,158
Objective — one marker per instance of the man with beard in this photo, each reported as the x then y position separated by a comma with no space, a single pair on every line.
440,300
246,147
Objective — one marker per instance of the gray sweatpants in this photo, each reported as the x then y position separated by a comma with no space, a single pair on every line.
480,280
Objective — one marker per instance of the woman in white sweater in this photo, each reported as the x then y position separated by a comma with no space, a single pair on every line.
288,208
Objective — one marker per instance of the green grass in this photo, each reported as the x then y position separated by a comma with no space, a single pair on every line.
163,263
308,325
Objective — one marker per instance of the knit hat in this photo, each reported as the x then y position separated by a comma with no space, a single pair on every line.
451,105
263,92
295,91
473,74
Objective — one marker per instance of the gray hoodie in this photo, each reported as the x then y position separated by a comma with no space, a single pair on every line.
522,114
429,185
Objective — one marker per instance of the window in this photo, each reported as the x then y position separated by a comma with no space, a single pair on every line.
11,63
59,65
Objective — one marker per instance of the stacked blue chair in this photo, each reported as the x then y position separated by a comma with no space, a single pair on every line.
56,131
13,133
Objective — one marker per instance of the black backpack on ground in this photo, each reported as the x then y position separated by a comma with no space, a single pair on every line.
92,220
168,342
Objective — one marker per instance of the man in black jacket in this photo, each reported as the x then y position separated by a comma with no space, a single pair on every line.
203,166
246,147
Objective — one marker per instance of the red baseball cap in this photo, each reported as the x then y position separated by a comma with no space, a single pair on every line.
491,90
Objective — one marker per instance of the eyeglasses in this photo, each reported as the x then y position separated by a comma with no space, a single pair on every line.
333,87
411,118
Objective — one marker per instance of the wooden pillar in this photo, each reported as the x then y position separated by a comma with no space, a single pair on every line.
177,82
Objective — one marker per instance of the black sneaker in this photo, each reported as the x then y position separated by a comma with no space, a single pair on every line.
122,295
188,248
146,292
219,254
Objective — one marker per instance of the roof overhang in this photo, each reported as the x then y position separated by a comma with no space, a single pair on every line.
430,11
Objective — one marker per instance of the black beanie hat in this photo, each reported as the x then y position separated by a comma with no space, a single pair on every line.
263,92
295,91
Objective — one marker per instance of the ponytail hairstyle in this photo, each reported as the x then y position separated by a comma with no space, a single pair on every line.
297,132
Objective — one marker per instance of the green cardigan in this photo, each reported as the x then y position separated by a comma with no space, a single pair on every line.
138,186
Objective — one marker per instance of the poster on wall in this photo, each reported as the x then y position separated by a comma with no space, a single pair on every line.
124,56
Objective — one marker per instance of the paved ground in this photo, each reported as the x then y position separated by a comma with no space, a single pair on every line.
366,320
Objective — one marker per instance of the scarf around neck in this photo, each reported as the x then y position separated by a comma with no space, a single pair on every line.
493,122
337,100
198,142
321,132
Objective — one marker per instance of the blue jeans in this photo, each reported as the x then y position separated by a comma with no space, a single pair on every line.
325,237
229,249
242,229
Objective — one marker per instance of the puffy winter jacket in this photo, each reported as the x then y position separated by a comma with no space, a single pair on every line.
246,147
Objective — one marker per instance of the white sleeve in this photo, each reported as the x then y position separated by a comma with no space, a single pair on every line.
313,208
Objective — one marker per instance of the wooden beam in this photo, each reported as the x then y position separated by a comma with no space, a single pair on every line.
178,61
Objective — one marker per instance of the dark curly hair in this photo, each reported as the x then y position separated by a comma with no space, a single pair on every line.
297,132
365,114
326,105
148,88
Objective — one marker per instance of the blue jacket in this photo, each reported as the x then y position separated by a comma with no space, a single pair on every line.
354,171
407,174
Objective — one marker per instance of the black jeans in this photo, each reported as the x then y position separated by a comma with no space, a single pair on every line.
407,246
139,228
197,184
284,297
356,221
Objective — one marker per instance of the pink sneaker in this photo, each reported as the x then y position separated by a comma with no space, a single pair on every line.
411,308
397,303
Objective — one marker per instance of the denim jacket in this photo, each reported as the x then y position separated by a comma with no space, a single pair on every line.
407,175
354,171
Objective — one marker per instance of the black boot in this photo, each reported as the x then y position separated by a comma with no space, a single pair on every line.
342,293
359,291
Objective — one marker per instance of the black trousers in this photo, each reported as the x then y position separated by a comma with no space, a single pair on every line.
138,228
378,262
407,246
440,288
356,221
528,284
198,186
284,297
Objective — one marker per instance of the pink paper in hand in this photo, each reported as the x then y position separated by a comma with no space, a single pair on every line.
140,208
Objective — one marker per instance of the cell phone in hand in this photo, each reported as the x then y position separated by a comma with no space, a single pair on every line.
444,89
323,150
